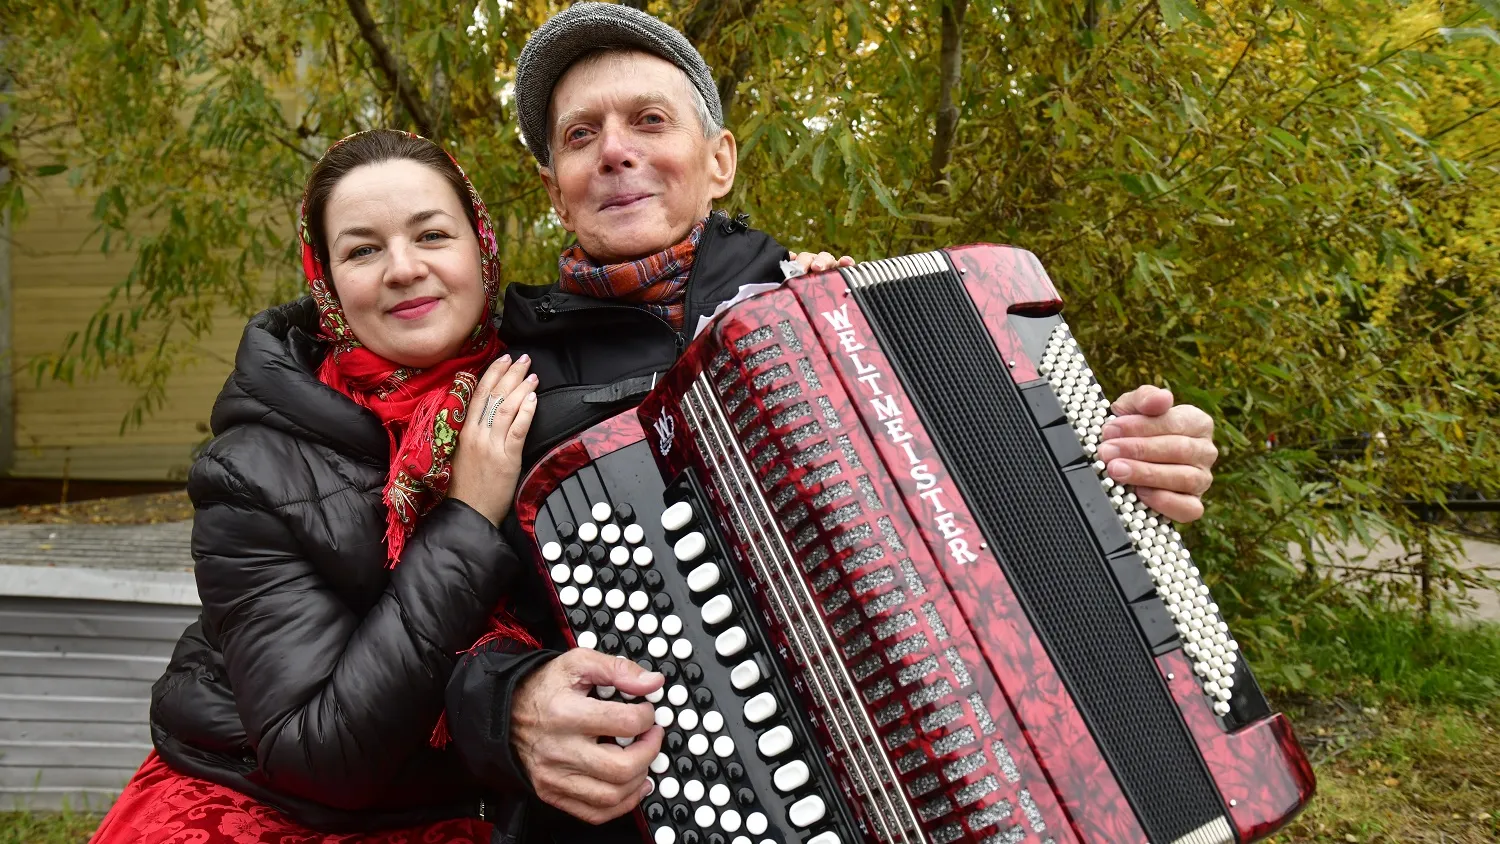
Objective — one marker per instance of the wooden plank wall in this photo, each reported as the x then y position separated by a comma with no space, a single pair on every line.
75,695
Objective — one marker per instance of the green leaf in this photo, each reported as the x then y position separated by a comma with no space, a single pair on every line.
1491,6
1173,12
51,169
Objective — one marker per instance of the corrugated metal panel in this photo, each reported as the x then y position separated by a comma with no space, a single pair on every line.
75,689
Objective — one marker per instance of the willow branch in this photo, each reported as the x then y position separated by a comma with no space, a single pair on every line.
390,68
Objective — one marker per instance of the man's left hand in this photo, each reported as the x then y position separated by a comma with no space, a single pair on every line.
1165,452
820,262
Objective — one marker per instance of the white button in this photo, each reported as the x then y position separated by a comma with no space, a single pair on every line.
660,764
704,817
774,742
588,531
671,625
587,639
665,835
650,786
688,719
703,577
713,722
807,811
682,649
646,623
638,601
614,599
677,695
551,551
677,516
718,608
790,776
625,741
829,837
642,556
655,696
568,595
604,691
657,647
730,642
601,511
625,622
730,820
690,547
592,596
697,743
745,675
634,534
610,533
668,787
723,746
664,719
719,795
619,555
756,823
561,573
692,791
582,574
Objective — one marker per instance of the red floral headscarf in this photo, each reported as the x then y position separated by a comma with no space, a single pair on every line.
422,409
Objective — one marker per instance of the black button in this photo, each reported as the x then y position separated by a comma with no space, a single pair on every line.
645,664
684,765
716,838
745,797
609,643
692,673
653,579
574,552
597,554
634,645
578,618
680,814
661,602
566,531
624,512
710,768
735,771
602,618
674,741
655,812
604,576
629,578
690,836
703,697
668,670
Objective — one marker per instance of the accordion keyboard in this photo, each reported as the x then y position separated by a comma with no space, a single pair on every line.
737,765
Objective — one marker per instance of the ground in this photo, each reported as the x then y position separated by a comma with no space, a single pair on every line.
132,510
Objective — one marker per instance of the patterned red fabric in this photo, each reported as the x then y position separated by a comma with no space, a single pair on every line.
657,282
422,409
161,806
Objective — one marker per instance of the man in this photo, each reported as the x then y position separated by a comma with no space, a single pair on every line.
624,120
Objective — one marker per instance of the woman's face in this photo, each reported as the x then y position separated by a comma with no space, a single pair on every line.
404,261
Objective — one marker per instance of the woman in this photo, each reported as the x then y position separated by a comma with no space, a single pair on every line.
345,534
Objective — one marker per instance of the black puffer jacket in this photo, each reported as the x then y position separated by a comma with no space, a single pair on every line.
593,359
315,675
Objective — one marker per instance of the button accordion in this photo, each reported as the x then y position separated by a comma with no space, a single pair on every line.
861,529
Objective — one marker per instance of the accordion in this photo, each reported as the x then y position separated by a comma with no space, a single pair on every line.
861,529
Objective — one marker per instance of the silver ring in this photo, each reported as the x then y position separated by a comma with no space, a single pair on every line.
489,421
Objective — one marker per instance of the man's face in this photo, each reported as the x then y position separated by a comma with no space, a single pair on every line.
631,171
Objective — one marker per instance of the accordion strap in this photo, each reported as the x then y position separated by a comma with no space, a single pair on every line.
626,388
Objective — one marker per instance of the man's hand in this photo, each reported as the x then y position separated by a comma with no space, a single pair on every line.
1164,452
555,730
820,262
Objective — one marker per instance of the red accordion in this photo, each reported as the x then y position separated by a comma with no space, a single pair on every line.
861,528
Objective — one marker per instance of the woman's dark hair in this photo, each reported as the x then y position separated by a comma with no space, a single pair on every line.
374,147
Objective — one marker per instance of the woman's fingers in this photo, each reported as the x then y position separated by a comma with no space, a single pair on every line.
500,418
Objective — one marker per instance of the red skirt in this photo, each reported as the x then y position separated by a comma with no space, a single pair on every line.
161,806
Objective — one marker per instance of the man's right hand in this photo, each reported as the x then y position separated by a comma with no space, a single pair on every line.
555,730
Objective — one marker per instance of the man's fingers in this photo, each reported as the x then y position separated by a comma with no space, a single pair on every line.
1167,449
600,669
622,766
594,717
1184,420
1189,480
1146,399
846,261
1176,506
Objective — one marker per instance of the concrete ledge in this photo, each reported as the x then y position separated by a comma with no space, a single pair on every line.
175,588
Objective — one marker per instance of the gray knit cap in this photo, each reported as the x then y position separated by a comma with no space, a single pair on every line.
586,27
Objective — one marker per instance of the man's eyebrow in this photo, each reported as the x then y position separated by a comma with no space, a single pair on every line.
648,98
418,217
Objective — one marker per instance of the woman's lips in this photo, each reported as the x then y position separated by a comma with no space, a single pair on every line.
415,308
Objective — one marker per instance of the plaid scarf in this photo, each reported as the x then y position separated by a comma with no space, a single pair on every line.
656,283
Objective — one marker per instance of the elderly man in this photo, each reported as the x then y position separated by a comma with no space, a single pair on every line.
622,115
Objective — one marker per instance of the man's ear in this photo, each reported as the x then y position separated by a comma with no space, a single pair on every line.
724,164
555,194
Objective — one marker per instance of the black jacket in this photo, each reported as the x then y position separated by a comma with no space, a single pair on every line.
593,359
315,675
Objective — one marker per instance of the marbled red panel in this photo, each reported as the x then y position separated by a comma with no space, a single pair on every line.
1004,280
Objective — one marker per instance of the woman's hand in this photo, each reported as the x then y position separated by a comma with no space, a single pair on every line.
555,728
819,262
487,464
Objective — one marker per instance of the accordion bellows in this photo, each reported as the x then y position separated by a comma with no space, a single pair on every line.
861,528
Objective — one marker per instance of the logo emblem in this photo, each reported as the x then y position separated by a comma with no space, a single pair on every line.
665,430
